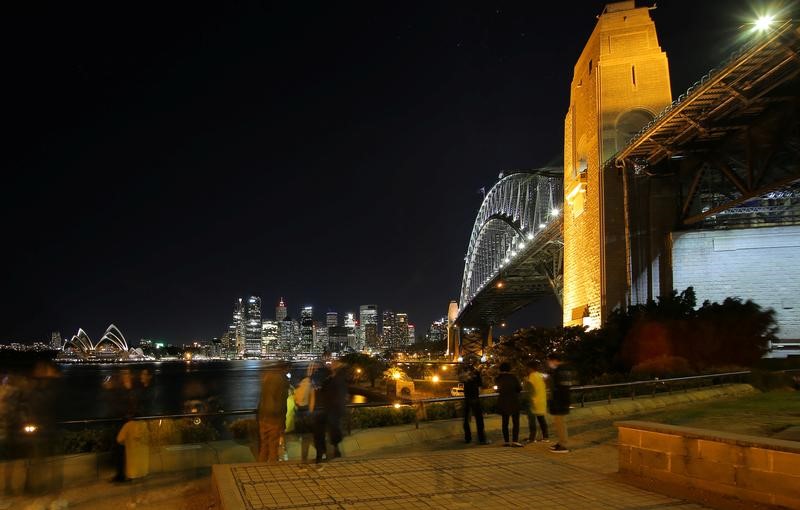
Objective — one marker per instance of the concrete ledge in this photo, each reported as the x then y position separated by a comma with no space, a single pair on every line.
760,470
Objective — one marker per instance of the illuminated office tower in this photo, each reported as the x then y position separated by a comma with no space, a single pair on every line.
253,328
331,319
55,340
388,327
236,331
412,334
306,329
269,337
368,323
280,311
401,331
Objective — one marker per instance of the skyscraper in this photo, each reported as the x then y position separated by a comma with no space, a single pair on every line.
332,319
412,334
388,329
280,311
236,333
368,323
288,335
307,329
269,338
55,340
253,328
401,331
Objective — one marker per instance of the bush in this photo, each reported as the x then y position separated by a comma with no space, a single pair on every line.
244,430
767,381
662,366
370,417
96,439
442,411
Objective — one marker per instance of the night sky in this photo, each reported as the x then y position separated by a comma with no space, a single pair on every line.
162,161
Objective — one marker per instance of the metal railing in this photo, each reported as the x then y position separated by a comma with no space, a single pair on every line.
609,392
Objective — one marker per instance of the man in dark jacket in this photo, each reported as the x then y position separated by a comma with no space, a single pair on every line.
508,389
472,403
562,378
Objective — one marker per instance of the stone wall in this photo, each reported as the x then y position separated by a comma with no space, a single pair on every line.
755,469
756,263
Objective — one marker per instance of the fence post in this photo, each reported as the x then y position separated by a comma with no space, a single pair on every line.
349,421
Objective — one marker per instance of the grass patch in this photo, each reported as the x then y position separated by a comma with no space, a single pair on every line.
760,414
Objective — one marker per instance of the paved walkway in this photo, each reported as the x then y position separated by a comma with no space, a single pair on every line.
486,477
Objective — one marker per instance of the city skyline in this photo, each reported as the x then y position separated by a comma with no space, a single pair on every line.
173,151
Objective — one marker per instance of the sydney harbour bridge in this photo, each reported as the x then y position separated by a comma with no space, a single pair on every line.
654,193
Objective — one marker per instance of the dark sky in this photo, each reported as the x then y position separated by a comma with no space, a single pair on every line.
161,161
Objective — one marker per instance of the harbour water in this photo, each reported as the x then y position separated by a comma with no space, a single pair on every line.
82,391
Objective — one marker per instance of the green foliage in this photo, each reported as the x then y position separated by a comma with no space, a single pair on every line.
731,333
442,410
370,417
94,439
244,430
371,368
768,381
662,367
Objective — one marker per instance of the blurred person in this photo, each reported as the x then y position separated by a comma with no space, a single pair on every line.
537,402
304,402
471,378
508,389
272,412
320,416
334,401
134,436
563,377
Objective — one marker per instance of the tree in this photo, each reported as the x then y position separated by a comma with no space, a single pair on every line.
371,368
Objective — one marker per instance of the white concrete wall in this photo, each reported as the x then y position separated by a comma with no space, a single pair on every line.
762,264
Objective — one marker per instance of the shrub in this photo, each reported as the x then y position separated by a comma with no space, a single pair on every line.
370,417
244,430
442,410
767,381
662,366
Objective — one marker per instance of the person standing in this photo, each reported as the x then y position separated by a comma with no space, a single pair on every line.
562,379
304,402
537,400
272,413
508,389
472,403
334,398
135,438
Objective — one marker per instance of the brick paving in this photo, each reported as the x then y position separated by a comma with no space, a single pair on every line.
485,477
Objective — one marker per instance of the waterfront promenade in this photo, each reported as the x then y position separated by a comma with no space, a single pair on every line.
426,466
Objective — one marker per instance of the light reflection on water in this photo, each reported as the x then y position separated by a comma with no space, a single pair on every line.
358,399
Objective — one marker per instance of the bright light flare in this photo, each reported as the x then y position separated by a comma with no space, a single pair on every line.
764,22
555,211
435,378
30,429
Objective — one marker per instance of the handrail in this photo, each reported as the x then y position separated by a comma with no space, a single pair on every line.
418,402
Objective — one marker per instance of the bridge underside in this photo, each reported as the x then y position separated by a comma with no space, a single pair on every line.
534,274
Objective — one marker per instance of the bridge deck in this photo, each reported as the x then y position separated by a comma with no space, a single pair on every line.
484,477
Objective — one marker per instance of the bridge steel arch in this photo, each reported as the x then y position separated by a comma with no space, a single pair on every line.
514,252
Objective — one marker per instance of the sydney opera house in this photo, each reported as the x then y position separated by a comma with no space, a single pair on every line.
111,347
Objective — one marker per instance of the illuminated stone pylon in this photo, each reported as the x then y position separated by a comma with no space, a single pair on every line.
621,81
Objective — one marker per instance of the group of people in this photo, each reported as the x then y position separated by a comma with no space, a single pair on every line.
510,403
314,409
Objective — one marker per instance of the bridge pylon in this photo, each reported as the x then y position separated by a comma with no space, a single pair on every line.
620,82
